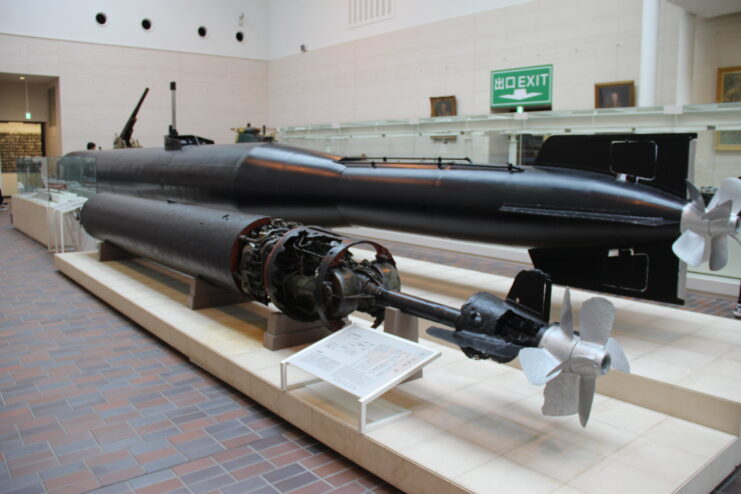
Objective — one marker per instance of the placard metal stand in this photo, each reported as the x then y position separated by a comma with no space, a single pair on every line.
57,213
364,363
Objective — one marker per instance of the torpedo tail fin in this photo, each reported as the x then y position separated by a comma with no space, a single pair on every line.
649,271
663,161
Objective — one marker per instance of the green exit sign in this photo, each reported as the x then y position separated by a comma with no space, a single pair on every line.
525,86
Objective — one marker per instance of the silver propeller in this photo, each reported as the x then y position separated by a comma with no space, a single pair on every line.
705,231
569,364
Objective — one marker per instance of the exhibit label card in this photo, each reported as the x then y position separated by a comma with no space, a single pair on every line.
361,361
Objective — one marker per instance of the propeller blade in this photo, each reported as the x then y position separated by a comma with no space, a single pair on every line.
538,365
718,252
586,396
690,247
571,365
567,316
595,320
720,212
558,369
730,190
561,395
695,196
617,356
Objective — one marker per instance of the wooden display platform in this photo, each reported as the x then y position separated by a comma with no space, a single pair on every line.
476,426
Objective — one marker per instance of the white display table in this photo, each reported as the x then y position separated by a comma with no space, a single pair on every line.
43,215
476,426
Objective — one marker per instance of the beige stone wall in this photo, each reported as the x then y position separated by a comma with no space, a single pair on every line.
99,85
392,75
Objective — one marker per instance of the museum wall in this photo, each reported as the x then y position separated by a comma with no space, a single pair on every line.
393,75
348,73
99,85
17,138
717,44
53,123
174,24
322,23
13,101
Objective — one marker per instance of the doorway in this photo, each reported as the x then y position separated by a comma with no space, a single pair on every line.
29,122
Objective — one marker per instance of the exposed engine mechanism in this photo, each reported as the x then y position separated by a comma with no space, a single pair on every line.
310,274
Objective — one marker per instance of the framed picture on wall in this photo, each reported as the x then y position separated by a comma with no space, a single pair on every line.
614,94
443,106
728,91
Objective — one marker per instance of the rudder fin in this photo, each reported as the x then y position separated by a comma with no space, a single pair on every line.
649,272
531,292
659,160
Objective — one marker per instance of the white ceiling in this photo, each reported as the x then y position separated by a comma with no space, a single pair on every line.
709,8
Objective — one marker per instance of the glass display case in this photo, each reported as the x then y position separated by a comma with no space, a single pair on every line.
50,192
72,174
56,178
31,173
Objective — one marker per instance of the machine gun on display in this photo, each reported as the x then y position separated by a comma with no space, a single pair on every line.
123,140
249,133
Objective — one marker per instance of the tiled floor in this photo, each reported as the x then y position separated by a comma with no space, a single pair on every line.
90,401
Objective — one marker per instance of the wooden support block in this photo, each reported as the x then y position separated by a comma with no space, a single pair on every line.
204,294
110,252
284,332
405,326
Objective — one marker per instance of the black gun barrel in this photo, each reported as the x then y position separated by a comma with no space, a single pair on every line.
128,129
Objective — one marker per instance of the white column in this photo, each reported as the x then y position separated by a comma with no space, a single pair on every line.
685,55
649,53
512,151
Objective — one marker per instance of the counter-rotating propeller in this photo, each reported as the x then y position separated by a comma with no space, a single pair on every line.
705,231
569,363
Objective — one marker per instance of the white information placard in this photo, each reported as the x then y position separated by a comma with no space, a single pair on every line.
361,361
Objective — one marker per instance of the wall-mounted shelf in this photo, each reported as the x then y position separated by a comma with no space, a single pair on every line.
688,118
